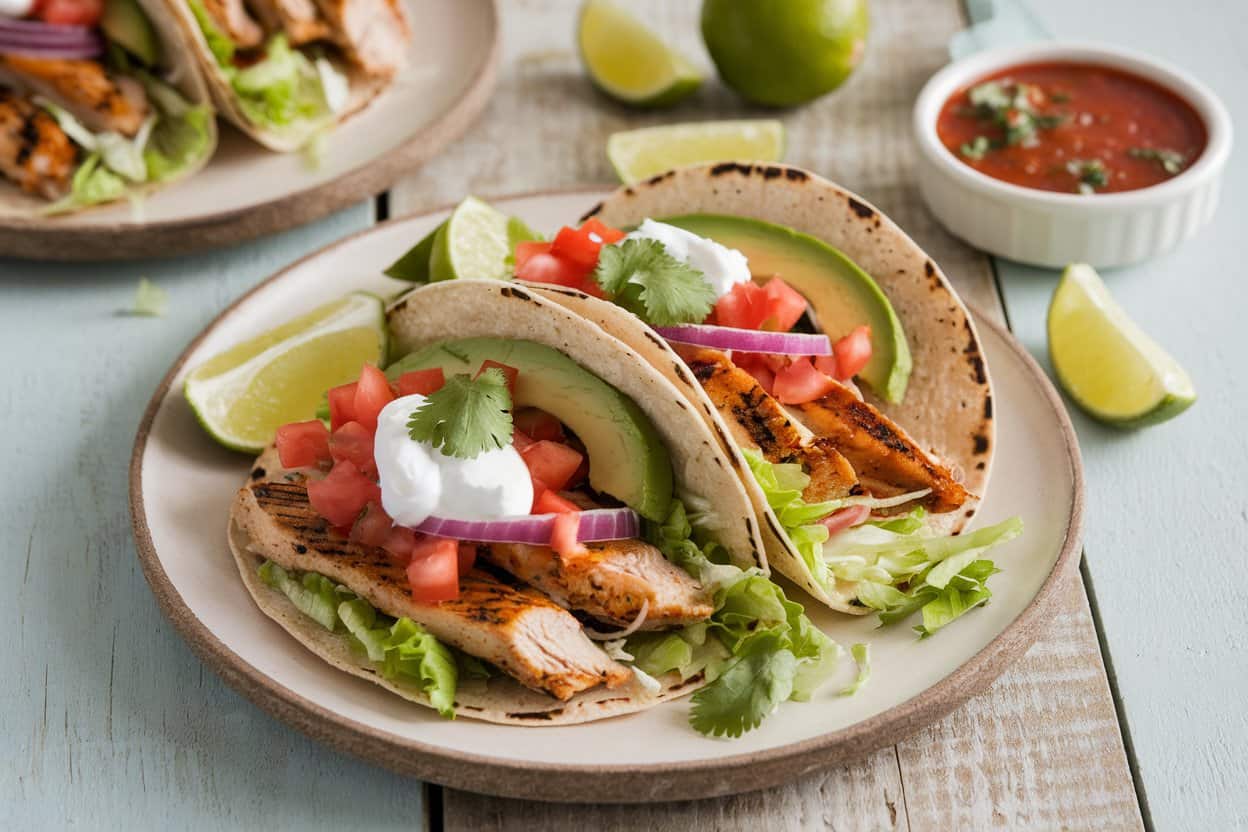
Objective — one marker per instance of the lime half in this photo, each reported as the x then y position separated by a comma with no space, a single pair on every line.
1107,364
243,395
640,154
628,61
476,241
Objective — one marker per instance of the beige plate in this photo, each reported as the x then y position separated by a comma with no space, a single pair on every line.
180,490
247,191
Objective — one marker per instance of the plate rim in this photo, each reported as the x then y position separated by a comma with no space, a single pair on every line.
33,239
598,783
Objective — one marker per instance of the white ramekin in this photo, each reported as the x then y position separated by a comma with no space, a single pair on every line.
1053,229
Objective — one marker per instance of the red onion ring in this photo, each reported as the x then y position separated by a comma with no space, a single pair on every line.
748,340
595,525
48,40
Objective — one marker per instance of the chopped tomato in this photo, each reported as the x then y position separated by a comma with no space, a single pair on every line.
372,393
756,365
303,444
354,443
520,440
341,405
510,373
400,543
526,250
563,536
576,245
372,527
433,573
536,264
839,521
580,474
70,12
745,307
342,494
785,305
826,364
548,502
552,463
800,382
605,233
467,556
423,382
853,352
537,423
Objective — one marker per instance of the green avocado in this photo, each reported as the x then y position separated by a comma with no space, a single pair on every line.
627,457
841,295
127,25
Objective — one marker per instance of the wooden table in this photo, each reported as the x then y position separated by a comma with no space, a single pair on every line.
109,721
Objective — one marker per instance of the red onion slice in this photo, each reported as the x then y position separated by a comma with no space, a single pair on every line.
595,525
748,340
48,40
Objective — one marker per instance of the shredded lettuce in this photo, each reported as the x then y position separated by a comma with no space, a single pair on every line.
862,657
150,301
783,485
219,43
413,655
181,137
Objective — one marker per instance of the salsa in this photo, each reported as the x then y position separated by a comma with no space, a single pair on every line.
1071,128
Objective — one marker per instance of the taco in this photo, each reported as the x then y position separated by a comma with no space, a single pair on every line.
97,103
286,71
525,523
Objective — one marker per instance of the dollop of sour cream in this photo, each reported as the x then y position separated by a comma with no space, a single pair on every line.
721,267
16,8
418,481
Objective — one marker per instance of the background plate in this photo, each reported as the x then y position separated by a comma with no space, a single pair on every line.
247,191
182,485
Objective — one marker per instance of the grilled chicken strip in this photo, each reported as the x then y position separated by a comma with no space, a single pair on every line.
299,19
34,151
887,460
373,34
100,101
757,420
232,17
534,640
611,582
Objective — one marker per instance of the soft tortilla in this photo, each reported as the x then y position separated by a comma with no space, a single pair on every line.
948,404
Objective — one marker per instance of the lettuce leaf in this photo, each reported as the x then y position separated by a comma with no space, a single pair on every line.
219,43
783,485
413,655
313,595
182,135
862,657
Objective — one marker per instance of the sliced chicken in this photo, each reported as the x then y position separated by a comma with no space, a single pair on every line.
611,582
758,420
887,460
373,34
299,19
534,640
232,17
34,152
100,101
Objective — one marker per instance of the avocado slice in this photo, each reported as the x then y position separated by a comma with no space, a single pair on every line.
841,294
627,457
127,25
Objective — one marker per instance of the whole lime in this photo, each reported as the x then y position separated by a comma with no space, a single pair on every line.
785,52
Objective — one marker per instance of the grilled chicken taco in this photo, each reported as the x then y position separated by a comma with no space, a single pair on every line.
522,521
97,102
285,71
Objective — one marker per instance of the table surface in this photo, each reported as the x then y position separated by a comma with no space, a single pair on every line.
108,720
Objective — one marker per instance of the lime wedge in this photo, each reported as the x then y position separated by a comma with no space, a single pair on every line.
1107,364
628,61
244,394
640,154
477,241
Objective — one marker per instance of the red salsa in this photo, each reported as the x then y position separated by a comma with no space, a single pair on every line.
1071,128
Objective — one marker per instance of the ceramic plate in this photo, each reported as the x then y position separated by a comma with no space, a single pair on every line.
182,485
247,191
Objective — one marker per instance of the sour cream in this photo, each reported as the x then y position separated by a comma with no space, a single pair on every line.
721,267
16,8
418,481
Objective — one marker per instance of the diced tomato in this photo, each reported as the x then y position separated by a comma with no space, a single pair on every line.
785,305
341,405
510,373
853,352
303,444
606,233
552,463
520,440
537,423
354,443
839,521
745,307
372,393
575,245
372,527
400,543
757,365
342,494
563,536
826,364
800,382
70,12
467,556
526,250
423,382
536,264
433,573
580,474
548,502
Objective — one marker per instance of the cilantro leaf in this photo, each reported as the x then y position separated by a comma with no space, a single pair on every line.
759,678
467,416
643,278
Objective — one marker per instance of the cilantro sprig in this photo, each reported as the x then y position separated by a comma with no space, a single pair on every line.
467,416
642,277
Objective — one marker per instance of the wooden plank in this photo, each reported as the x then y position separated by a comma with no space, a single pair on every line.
1013,757
109,721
